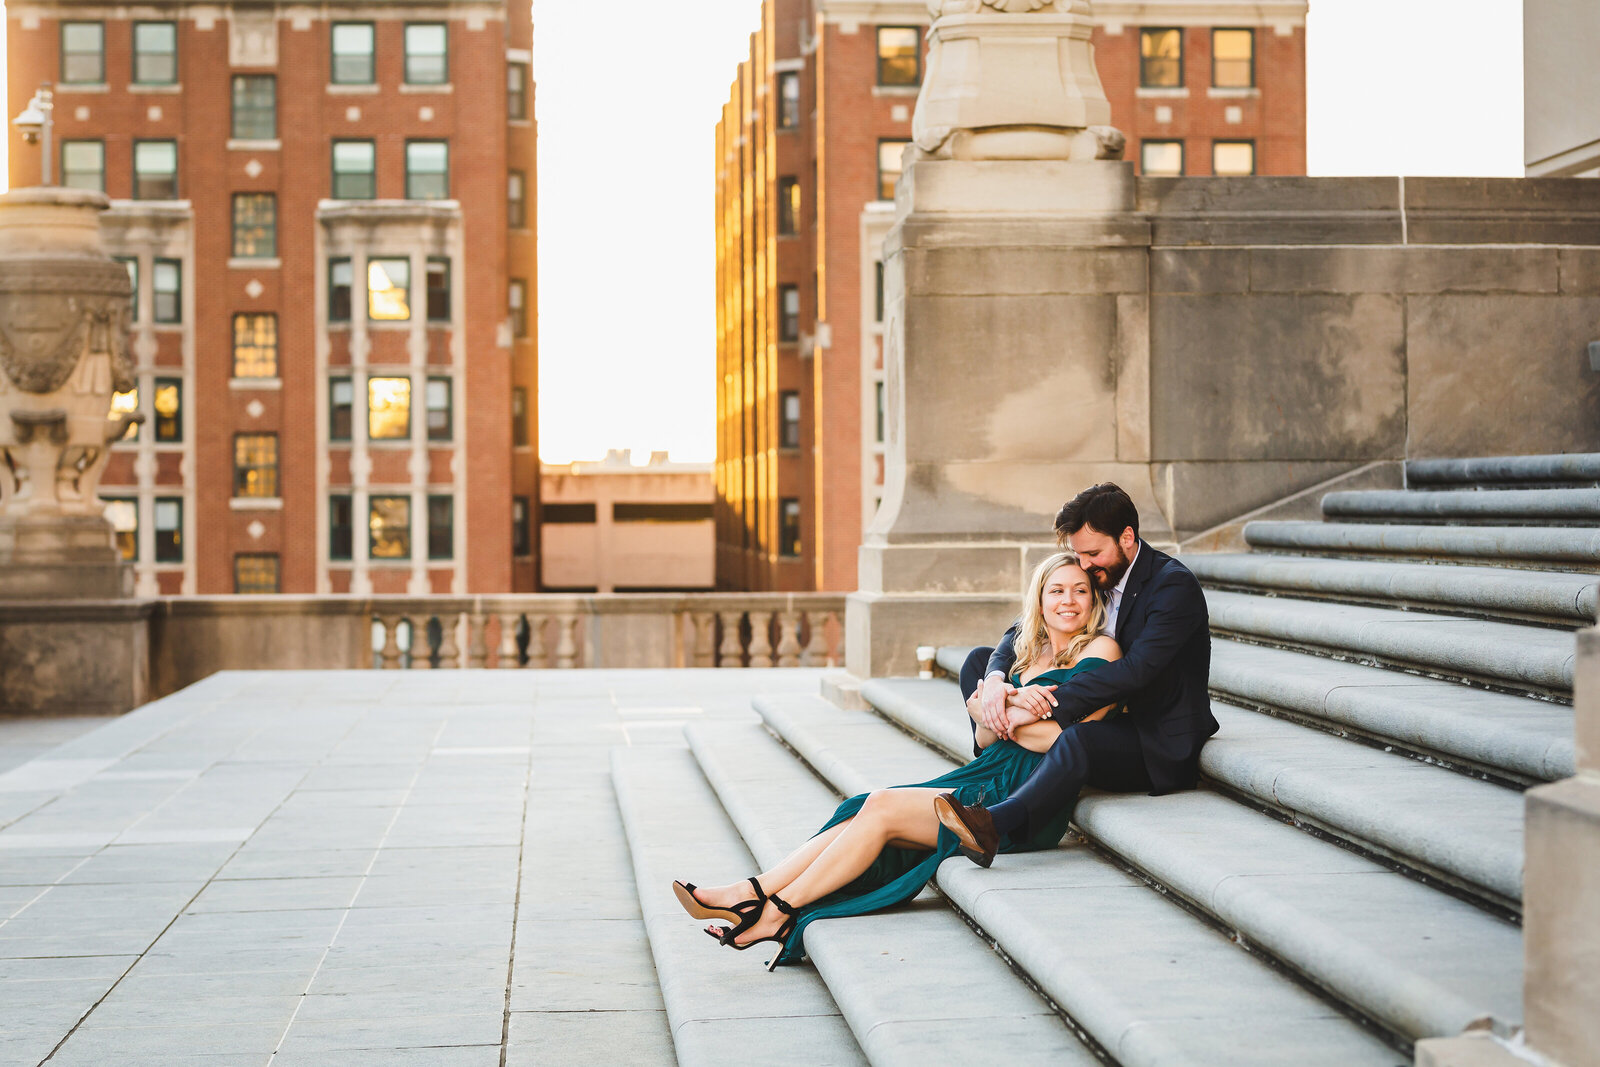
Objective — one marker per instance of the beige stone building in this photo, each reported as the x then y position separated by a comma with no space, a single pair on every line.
1561,88
614,527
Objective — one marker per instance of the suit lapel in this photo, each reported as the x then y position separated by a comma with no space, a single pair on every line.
1137,577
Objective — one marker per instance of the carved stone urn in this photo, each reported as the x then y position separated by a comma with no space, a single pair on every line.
64,308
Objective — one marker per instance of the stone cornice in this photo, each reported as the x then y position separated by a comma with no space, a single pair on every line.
202,12
378,212
874,12
1199,12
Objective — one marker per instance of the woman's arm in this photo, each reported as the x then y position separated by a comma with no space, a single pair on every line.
1035,735
982,736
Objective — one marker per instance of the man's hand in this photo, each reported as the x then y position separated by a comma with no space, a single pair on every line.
995,691
1037,700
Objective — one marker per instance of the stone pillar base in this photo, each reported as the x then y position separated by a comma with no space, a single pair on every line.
1561,934
74,658
60,557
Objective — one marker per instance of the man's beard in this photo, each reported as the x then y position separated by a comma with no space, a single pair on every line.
1106,578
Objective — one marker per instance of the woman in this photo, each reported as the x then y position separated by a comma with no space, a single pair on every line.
880,849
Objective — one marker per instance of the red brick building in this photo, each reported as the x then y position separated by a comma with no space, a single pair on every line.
808,150
339,395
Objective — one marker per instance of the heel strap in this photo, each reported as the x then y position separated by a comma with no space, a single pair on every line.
781,904
761,897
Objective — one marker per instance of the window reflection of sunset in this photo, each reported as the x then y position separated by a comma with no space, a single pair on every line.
389,289
388,408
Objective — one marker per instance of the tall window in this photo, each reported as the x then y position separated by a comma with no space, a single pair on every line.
899,55
1161,58
1233,158
1161,159
521,527
516,200
1233,59
355,170
166,285
126,404
389,523
255,465
341,526
441,412
516,90
519,416
880,411
877,291
155,170
441,527
788,100
83,53
341,276
788,205
517,306
789,526
389,289
255,572
341,408
123,514
155,53
255,107
789,426
438,286
788,313
255,225
352,54
255,345
427,53
388,409
169,529
83,165
132,263
427,170
889,164
168,405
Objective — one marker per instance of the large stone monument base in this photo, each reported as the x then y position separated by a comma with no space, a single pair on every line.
60,557
74,657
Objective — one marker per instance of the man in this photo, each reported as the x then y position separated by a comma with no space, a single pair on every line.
1157,613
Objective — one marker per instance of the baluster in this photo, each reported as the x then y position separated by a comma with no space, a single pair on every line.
832,634
731,654
567,647
705,639
506,658
761,638
538,657
391,642
789,639
812,641
477,641
421,647
449,655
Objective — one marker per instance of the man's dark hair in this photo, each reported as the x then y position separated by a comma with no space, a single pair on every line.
1104,508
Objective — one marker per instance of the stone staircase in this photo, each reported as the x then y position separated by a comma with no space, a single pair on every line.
1346,882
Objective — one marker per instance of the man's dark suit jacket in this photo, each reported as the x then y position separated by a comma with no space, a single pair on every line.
1164,632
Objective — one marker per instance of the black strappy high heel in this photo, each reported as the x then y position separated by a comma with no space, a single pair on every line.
743,914
781,937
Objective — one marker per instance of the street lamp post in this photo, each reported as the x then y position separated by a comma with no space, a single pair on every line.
37,126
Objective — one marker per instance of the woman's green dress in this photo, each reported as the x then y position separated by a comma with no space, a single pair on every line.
898,874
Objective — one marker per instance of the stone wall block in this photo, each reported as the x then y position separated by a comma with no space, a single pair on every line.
1482,270
1580,270
1330,270
1199,270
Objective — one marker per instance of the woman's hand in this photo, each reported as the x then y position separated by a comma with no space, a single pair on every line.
1017,718
1040,700
991,696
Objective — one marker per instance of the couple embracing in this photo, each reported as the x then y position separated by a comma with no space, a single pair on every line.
1100,682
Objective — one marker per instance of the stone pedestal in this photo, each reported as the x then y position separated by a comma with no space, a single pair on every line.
74,657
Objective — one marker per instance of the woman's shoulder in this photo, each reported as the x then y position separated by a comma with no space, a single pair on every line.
1103,647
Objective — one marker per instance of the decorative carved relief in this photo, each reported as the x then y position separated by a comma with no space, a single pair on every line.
253,38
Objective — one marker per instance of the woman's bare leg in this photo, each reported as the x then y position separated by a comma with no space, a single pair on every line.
775,879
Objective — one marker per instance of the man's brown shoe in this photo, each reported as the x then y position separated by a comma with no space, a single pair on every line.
972,826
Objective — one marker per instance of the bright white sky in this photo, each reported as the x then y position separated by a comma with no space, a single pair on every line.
629,93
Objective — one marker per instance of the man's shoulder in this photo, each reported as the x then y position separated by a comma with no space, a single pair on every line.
1169,572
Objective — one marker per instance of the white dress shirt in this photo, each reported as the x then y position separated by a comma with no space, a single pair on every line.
1115,604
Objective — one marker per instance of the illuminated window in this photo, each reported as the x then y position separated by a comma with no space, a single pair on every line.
168,405
388,409
255,572
126,404
788,205
519,416
516,200
788,313
341,276
341,526
441,527
789,424
255,465
1233,157
427,53
1233,59
789,526
255,225
83,165
1161,159
255,107
516,90
123,514
166,285
389,289
899,55
341,408
352,53
788,100
522,527
155,53
389,527
427,170
441,415
889,164
438,289
169,529
132,263
517,305
355,173
155,170
1161,58
255,345
83,53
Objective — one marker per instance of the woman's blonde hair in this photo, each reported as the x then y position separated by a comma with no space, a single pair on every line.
1033,637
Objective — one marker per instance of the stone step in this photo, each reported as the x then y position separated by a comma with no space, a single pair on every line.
1572,507
1523,658
1150,982
1567,599
1511,736
1566,547
1571,469
914,983
719,1003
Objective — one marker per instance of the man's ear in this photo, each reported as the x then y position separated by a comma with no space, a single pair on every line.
1128,541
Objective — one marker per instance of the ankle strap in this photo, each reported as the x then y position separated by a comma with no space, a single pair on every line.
781,904
760,896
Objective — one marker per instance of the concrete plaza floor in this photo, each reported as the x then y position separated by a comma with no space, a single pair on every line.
340,868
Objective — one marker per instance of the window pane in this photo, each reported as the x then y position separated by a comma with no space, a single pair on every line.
1233,157
255,346
83,165
155,53
441,527
789,527
388,409
438,284
168,405
255,107
889,153
389,526
788,312
124,518
877,291
440,414
1233,58
169,530
878,402
522,528
166,283
354,170
516,90
255,465
83,53
789,432
255,573
155,170
519,416
255,225
788,205
517,304
125,404
341,527
516,201
352,53
389,289
899,55
1161,159
427,170
341,408
426,62
788,100
341,276
1161,58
